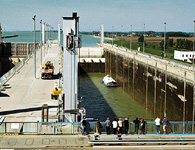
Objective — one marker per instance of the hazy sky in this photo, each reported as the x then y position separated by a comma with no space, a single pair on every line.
178,14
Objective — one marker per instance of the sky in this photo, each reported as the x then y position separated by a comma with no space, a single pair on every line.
115,15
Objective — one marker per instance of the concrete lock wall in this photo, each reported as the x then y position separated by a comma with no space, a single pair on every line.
90,60
91,52
21,50
11,51
160,88
91,67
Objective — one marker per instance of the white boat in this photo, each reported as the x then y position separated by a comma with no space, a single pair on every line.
109,81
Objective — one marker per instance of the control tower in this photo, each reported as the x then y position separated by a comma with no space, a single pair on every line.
70,65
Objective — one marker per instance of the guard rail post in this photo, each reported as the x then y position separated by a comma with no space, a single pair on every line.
187,127
72,128
54,128
172,127
5,128
38,127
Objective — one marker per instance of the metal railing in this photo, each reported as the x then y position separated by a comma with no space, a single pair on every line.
10,73
55,128
156,58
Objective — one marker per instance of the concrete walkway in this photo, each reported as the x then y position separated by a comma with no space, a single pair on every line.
24,95
72,142
43,141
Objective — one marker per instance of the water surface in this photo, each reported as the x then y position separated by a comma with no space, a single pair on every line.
116,99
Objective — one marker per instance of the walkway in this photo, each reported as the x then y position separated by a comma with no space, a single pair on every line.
24,95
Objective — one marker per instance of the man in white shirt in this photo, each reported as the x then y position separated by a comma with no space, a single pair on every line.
157,121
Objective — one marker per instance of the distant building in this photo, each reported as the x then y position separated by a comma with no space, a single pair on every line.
184,55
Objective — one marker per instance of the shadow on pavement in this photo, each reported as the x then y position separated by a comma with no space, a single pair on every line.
23,110
4,95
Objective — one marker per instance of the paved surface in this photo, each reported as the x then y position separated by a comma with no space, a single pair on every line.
71,142
24,95
43,141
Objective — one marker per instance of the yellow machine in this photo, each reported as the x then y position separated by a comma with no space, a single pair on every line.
55,93
47,70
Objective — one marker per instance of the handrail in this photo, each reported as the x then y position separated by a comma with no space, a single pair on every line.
75,127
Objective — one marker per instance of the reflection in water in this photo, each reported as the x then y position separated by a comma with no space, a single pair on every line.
102,101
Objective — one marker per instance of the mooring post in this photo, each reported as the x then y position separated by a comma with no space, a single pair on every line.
193,103
134,77
128,73
147,86
165,105
155,88
123,71
110,65
184,102
116,67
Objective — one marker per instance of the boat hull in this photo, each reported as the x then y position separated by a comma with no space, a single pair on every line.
109,81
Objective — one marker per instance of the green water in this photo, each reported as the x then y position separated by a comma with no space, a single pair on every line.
121,103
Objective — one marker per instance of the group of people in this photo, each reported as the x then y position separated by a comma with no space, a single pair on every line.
157,122
122,127
117,126
164,122
142,124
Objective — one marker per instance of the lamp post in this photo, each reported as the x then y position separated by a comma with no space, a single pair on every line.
193,44
131,39
41,40
121,37
47,38
44,38
47,31
164,39
144,39
51,31
34,46
193,115
44,32
112,35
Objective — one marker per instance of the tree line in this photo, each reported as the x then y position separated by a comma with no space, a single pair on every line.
180,44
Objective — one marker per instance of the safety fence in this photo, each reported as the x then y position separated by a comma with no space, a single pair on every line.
56,128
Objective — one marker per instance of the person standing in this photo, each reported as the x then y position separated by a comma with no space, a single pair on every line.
84,125
120,124
126,125
118,131
136,122
142,124
108,125
157,121
97,124
165,123
115,124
